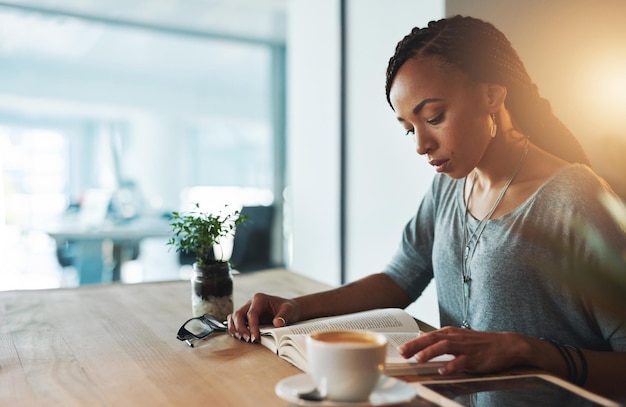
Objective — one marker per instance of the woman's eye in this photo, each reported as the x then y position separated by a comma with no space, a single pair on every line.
436,120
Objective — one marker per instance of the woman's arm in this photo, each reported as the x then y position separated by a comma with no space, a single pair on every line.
606,371
373,291
487,352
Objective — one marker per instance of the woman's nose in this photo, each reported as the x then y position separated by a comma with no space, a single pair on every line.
423,143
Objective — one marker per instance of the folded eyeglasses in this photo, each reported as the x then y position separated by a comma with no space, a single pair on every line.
199,327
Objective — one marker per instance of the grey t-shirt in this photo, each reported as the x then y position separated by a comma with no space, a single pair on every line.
514,267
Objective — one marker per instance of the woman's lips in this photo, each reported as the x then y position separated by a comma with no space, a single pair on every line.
440,165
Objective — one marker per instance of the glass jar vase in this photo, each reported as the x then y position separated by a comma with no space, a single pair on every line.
212,290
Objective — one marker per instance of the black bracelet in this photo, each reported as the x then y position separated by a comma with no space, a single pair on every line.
572,362
568,359
582,379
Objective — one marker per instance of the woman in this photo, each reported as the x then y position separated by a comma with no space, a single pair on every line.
511,181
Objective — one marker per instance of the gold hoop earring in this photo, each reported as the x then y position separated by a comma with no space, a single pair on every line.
494,126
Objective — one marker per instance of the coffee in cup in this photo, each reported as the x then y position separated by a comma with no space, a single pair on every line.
345,365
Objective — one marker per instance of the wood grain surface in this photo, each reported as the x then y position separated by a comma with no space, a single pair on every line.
115,345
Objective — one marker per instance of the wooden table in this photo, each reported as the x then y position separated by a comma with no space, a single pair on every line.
115,345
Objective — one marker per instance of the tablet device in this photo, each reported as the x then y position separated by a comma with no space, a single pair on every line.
511,391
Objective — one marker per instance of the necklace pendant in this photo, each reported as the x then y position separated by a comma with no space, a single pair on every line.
465,324
466,286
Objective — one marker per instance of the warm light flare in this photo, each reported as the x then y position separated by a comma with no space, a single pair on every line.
607,89
612,86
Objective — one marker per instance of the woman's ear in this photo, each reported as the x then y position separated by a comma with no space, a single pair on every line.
496,95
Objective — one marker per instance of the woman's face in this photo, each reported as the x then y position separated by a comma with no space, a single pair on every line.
447,113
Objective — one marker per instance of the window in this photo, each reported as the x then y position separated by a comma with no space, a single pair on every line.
139,114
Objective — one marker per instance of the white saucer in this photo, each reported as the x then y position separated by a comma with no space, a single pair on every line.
388,391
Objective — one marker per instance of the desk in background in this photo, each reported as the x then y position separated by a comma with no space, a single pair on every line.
82,246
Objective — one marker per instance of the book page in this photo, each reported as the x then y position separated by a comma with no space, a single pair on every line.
394,341
293,349
380,320
396,364
270,340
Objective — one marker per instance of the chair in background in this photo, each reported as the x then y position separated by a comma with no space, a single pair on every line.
252,244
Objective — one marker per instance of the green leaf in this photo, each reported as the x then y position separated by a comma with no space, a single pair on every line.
198,232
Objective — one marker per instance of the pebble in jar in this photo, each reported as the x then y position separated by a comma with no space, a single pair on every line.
212,290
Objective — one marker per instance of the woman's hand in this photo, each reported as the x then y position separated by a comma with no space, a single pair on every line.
474,351
262,309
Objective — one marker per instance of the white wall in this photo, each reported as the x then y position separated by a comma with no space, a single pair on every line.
385,177
313,96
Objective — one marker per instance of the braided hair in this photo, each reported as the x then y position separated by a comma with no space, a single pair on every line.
484,54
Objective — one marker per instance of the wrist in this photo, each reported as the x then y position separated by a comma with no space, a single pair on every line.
523,351
576,369
541,354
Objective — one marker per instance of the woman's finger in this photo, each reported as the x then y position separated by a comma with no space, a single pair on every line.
238,322
424,341
458,364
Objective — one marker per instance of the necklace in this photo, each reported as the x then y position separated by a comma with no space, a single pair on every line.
468,252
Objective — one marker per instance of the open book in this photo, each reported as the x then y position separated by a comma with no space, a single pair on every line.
397,325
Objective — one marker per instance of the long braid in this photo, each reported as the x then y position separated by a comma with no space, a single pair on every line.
484,53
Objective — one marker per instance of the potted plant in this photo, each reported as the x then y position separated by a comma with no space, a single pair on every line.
200,233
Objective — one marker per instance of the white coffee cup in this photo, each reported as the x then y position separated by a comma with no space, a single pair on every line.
345,365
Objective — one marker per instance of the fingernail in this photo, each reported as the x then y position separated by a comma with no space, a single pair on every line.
238,336
442,370
418,357
246,337
252,339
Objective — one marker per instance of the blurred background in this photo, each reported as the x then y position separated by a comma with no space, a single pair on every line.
113,114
